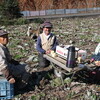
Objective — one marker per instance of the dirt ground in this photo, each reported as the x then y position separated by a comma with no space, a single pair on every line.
44,85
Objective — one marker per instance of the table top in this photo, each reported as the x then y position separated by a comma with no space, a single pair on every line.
60,62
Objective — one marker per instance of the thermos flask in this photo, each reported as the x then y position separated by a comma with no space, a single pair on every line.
71,57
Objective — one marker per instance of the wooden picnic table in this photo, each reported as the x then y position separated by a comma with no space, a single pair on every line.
61,63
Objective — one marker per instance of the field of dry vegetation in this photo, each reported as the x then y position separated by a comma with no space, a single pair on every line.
85,31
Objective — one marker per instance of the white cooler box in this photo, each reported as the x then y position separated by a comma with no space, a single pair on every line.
63,52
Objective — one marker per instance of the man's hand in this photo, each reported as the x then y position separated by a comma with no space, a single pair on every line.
48,51
97,63
12,80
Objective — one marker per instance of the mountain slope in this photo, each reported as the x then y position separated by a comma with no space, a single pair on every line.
33,5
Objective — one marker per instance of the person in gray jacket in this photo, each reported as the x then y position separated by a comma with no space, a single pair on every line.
9,68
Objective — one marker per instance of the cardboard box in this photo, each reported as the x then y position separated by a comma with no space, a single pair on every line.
63,52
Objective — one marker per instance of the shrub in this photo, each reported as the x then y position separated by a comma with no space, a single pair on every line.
10,9
38,20
21,21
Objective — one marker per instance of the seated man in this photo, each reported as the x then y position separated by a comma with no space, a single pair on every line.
10,68
46,42
96,56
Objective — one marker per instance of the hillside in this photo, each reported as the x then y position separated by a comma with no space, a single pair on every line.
33,5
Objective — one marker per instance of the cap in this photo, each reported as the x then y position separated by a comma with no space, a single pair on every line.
47,24
2,32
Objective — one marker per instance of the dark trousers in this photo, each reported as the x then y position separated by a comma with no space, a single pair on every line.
42,61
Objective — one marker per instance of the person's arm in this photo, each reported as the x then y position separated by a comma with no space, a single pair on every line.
55,43
8,75
97,49
4,69
39,46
